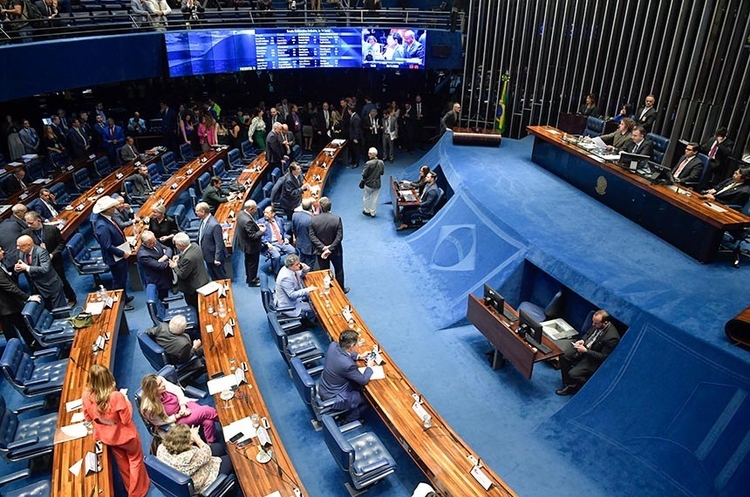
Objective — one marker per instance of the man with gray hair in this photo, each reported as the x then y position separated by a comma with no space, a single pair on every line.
371,173
124,215
189,268
248,235
35,262
153,258
290,294
275,148
178,345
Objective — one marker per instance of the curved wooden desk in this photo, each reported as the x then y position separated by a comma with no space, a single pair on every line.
317,174
255,479
438,451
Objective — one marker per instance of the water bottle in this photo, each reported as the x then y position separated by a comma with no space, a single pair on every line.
102,294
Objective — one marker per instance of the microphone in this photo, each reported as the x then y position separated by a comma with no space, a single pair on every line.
76,363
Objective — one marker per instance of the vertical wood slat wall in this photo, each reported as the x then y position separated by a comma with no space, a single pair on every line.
694,55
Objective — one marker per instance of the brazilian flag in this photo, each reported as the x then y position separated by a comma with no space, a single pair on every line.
502,104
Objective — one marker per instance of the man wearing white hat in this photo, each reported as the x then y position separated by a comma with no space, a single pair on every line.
115,250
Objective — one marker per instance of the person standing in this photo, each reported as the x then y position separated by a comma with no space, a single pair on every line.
189,268
248,235
301,220
211,240
327,235
115,251
292,188
373,170
450,119
49,238
35,262
111,414
356,135
153,258
12,301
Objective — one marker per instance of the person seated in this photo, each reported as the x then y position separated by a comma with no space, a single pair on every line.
123,215
689,168
136,125
214,195
581,361
128,152
732,191
621,137
15,182
165,404
341,379
290,292
275,239
641,145
625,111
427,203
184,450
47,206
140,180
178,345
589,108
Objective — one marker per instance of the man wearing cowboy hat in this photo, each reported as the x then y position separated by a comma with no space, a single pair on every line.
115,250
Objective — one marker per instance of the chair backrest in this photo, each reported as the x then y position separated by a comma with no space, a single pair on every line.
167,479
248,151
203,181
554,308
275,174
304,383
5,188
179,215
705,160
36,317
594,126
34,170
154,173
267,189
661,144
235,160
81,180
61,194
102,166
78,250
16,364
340,448
219,169
154,353
267,285
168,161
263,204
278,334
155,307
186,152
277,190
8,425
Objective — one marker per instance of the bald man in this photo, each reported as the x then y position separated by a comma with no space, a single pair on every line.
36,263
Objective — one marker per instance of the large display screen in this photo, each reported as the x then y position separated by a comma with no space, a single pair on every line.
215,51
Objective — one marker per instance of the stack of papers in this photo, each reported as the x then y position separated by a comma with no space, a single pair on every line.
218,385
208,288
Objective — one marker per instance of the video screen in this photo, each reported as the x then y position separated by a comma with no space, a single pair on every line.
197,52
398,48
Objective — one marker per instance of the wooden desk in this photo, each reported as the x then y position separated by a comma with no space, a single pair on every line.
687,222
317,174
476,136
439,452
76,377
227,212
502,335
398,200
255,479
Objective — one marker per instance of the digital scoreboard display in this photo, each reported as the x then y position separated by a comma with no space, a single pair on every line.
302,48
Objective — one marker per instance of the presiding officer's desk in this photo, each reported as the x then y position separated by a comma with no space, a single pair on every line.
398,200
226,213
317,173
66,454
507,343
683,219
438,451
255,479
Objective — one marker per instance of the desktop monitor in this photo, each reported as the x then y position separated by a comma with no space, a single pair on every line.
533,328
493,299
657,173
633,162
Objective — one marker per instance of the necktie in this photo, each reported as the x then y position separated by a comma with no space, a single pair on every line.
200,231
726,188
52,210
643,114
23,185
296,277
419,109
28,258
276,232
594,338
681,167
39,236
635,149
118,227
85,142
714,148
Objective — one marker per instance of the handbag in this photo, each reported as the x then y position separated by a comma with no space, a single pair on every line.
81,319
362,184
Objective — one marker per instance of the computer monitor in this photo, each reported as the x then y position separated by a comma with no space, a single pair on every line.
657,173
493,299
632,162
532,327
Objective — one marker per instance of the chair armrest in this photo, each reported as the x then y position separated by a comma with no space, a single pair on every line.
95,249
45,352
373,466
197,393
24,442
315,370
88,263
18,475
350,426
50,331
303,350
171,299
37,381
284,309
61,312
328,403
218,483
30,407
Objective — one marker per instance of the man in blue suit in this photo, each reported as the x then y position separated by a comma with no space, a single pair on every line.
115,252
153,257
301,220
341,379
46,206
427,202
211,240
275,239
114,138
78,141
291,292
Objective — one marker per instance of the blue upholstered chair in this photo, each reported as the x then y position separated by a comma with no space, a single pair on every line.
235,161
203,181
169,162
29,374
173,483
81,180
661,144
695,184
302,345
62,197
267,291
28,438
157,357
35,170
133,199
156,177
102,166
219,169
46,329
551,311
83,260
362,455
248,152
275,174
160,313
308,390
594,126
186,153
40,488
267,189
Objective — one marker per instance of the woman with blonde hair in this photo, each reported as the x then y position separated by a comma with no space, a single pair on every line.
164,403
112,416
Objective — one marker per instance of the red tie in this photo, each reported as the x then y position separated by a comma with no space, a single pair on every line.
28,258
276,233
681,167
714,148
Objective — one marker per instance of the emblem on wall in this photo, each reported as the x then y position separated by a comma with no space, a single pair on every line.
601,185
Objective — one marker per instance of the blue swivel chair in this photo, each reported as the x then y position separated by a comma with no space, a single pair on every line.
173,483
308,390
160,313
275,174
362,455
40,488
29,374
35,170
248,152
186,153
45,328
156,177
28,438
302,345
551,311
83,260
661,144
62,196
203,181
220,170
594,126
102,166
81,180
235,160
157,357
267,291
169,163
267,189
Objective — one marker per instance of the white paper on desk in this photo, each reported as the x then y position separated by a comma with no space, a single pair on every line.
275,494
479,476
377,372
29,156
244,426
14,164
611,157
218,385
598,142
39,181
208,288
73,405
329,150
95,308
715,207
76,468
77,417
125,247
72,432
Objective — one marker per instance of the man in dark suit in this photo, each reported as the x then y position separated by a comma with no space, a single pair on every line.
50,239
78,141
12,300
291,190
323,125
301,220
153,258
646,115
211,241
428,202
689,168
35,262
177,344
450,119
16,182
247,236
276,238
641,145
275,148
327,235
60,132
214,195
189,268
128,152
115,251
732,191
169,126
141,182
10,230
357,137
341,379
46,206
718,149
581,361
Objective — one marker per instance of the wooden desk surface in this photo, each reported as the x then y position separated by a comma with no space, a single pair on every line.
80,209
502,334
317,174
255,479
692,204
397,200
439,452
64,483
227,212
